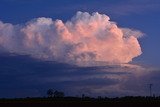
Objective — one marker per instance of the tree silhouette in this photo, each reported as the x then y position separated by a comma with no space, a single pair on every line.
50,93
83,96
58,94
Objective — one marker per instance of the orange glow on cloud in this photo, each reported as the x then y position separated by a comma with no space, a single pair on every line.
85,38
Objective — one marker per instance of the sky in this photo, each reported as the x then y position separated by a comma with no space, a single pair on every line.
31,69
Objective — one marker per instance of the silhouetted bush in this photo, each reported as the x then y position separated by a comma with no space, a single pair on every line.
50,93
58,94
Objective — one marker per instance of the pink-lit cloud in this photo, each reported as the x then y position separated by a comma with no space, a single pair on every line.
85,39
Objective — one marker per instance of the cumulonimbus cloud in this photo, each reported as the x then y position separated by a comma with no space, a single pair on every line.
84,38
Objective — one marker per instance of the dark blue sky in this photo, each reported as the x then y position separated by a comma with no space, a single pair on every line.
28,77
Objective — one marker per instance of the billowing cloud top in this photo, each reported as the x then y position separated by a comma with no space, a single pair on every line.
85,38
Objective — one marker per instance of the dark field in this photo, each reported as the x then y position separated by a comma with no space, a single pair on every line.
87,101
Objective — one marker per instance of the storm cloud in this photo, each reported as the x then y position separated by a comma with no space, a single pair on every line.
86,39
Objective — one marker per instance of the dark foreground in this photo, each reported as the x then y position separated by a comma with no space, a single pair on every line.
74,102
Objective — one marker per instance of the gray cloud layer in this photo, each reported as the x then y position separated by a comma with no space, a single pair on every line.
21,76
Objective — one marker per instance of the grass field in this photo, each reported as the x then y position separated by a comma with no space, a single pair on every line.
74,101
